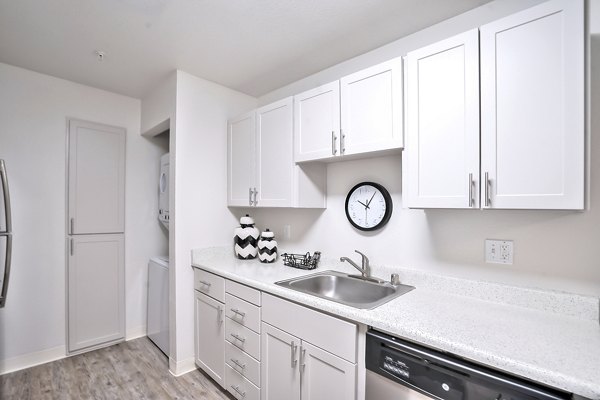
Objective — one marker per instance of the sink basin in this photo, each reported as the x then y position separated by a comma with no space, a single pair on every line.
346,289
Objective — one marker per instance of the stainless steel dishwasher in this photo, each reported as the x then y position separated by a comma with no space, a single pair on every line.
400,370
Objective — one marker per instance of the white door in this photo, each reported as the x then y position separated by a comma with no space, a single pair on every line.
371,109
241,160
275,154
532,108
210,336
96,290
96,178
326,376
317,123
279,365
441,156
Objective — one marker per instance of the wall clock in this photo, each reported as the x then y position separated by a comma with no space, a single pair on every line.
368,206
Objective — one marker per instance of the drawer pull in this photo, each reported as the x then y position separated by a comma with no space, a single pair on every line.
236,362
207,284
238,390
238,312
238,337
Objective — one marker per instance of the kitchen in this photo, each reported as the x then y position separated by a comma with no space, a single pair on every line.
553,250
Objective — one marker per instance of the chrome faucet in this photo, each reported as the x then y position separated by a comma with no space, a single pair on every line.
365,270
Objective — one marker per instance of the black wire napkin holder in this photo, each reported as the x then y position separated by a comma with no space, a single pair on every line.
302,261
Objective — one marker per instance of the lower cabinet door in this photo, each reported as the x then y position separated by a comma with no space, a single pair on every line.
210,339
96,291
279,365
325,376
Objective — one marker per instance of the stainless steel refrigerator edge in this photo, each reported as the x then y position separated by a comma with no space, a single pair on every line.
5,234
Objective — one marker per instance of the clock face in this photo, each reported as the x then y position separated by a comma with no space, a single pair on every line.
368,206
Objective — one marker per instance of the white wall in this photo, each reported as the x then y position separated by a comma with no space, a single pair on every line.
201,217
553,249
33,113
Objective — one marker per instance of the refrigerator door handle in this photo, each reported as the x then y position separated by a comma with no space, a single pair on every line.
6,195
6,268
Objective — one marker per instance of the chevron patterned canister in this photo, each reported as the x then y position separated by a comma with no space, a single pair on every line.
267,247
245,239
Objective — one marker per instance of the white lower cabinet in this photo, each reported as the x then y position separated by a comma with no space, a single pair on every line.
296,369
210,344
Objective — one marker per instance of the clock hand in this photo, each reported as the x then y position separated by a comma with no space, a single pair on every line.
369,202
365,205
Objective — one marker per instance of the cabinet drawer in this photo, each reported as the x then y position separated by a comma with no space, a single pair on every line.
242,363
329,333
209,284
242,338
242,312
243,292
240,387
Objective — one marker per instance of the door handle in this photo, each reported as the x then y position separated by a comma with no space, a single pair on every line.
333,141
255,194
293,349
7,212
342,142
72,225
471,200
7,262
71,247
302,359
488,201
220,315
250,191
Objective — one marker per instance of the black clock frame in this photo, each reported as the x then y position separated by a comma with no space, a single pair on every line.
388,206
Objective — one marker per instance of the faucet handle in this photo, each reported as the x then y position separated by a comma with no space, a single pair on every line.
365,259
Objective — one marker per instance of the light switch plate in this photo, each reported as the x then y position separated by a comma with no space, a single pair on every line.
499,251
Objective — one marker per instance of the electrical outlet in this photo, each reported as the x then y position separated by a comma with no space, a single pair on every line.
499,251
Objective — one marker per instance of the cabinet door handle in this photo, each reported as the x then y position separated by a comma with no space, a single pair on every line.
488,201
238,312
238,391
239,364
71,247
220,315
471,200
333,146
250,191
255,194
238,337
342,142
302,359
72,225
293,349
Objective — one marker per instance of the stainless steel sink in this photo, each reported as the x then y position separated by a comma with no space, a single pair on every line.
346,289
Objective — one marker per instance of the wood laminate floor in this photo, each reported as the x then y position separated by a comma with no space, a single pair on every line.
132,370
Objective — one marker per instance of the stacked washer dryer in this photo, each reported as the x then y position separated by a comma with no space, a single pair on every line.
158,272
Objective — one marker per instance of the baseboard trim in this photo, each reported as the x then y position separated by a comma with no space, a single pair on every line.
32,359
135,333
178,368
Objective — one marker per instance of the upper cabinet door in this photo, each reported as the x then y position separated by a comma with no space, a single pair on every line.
96,178
274,155
317,123
371,109
532,108
441,157
241,161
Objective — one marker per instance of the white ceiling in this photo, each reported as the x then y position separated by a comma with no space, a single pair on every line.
253,46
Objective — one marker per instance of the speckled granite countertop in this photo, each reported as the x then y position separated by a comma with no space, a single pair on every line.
549,337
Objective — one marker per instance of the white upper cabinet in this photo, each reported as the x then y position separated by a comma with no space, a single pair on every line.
96,178
371,109
241,139
358,114
441,159
274,155
261,168
532,108
317,123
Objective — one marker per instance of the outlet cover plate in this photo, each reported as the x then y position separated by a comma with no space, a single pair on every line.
499,251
